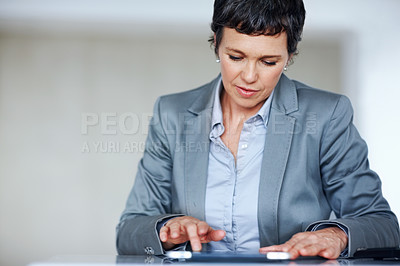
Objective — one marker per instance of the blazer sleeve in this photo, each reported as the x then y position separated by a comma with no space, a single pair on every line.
352,188
149,201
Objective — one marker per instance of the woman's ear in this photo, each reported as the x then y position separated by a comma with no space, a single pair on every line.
215,47
289,59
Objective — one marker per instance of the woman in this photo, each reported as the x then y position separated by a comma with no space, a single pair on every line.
254,161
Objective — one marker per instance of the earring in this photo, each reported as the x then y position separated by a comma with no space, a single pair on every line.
217,60
285,68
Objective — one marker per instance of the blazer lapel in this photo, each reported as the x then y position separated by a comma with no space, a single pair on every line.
197,145
276,151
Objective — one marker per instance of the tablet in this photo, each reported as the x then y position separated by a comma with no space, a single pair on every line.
226,256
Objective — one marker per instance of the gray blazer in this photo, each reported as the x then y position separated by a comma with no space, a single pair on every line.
315,162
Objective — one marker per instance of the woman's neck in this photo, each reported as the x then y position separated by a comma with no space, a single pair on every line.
234,114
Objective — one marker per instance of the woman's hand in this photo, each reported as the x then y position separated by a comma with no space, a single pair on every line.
186,228
327,243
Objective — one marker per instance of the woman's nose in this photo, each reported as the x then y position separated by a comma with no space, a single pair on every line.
249,73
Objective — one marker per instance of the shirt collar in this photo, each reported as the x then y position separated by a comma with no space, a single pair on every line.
217,117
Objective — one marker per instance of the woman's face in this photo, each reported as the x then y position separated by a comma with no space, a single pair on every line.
250,67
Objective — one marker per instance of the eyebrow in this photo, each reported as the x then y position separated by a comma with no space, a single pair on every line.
262,57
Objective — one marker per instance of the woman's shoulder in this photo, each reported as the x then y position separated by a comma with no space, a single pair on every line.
310,91
185,95
184,100
314,101
315,96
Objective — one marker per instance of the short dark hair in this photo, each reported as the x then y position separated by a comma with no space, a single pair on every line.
259,17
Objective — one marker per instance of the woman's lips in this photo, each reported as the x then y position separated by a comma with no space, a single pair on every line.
245,92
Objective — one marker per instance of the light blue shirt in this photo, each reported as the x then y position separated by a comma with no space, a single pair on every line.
232,187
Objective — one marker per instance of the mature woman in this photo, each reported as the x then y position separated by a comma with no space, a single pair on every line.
254,161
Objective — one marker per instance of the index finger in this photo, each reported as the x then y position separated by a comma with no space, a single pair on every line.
194,238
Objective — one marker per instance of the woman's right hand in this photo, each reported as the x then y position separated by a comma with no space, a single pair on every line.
186,228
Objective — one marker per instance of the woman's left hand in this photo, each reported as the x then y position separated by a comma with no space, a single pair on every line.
327,243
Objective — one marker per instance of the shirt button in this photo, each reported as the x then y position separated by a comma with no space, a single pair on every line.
244,146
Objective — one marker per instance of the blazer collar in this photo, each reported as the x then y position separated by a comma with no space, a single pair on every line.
285,98
205,100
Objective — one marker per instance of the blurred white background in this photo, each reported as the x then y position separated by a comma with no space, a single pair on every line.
62,189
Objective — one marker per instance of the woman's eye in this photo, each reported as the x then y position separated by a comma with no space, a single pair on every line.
269,63
235,58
